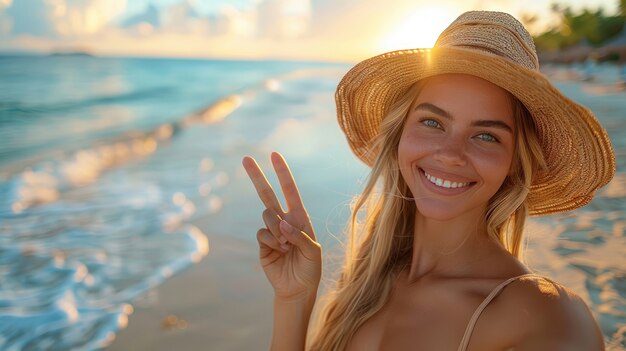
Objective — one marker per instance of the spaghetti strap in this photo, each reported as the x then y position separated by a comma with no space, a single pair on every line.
481,307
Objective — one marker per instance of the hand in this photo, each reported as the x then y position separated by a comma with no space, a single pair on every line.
289,254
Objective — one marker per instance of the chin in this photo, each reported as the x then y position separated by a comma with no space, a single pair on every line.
441,216
444,212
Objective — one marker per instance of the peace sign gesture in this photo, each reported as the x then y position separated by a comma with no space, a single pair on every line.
289,254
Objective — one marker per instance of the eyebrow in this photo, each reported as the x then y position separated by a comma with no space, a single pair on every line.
425,106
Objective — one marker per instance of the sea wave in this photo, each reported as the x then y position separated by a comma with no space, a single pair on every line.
80,238
7,108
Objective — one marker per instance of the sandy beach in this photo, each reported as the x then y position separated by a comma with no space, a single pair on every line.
222,303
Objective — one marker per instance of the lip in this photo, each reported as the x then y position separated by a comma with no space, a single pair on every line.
441,190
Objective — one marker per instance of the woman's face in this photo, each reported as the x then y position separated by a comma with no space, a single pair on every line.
457,145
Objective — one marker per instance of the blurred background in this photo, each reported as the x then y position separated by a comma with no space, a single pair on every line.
126,219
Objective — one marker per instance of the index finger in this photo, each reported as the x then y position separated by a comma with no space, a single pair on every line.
262,186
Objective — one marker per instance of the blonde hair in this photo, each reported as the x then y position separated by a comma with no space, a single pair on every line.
381,244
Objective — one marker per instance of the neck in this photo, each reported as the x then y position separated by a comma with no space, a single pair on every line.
450,247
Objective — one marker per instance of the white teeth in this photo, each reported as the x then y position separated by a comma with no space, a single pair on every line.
445,183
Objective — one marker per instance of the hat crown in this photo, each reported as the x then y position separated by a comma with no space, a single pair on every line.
496,33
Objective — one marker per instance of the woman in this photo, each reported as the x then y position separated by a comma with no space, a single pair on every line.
464,140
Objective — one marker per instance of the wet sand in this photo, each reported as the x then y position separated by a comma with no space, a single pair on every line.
222,303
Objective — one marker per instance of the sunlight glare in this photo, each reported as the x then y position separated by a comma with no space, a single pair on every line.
419,29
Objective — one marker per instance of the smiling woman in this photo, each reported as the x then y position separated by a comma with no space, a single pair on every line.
465,140
419,28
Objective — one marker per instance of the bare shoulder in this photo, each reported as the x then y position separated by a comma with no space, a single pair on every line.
553,317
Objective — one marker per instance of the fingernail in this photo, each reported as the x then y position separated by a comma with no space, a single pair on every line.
282,239
285,247
285,226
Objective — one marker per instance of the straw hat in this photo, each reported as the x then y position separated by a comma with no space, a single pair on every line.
496,47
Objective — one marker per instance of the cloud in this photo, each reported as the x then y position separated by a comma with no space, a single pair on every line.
30,17
184,18
150,16
6,23
234,23
4,4
180,15
61,18
297,29
284,18
293,29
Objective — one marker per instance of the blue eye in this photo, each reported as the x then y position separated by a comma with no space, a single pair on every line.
487,137
431,123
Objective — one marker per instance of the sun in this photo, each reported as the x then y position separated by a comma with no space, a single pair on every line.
419,29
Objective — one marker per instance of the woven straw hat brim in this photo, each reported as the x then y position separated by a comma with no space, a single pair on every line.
577,150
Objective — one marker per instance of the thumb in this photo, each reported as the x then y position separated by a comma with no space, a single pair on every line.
298,238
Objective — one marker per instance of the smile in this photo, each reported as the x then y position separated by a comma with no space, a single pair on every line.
443,183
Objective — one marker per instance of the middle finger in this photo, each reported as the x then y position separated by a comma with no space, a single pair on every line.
287,183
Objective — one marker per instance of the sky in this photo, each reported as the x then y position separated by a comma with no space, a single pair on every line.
336,30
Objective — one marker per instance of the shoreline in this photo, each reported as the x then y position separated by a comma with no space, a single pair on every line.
209,306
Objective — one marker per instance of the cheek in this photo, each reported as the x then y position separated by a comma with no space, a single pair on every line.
494,166
411,148
406,153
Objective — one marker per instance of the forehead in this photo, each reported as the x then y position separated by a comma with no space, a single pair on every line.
466,96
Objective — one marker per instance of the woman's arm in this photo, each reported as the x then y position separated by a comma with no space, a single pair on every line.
289,255
291,322
292,308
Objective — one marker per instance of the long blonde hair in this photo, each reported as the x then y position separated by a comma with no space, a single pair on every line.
381,244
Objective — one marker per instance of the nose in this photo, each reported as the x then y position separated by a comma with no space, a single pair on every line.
451,153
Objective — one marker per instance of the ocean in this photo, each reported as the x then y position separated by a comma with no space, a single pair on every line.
108,164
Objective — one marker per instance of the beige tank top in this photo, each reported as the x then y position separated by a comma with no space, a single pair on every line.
481,307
